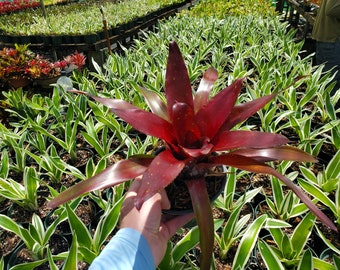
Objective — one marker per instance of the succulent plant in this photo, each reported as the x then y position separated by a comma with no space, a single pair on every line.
197,133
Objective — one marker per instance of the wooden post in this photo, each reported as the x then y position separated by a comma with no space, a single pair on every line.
106,31
42,5
279,6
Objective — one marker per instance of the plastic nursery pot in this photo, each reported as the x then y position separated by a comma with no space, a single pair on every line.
21,255
62,229
179,196
261,208
19,214
87,212
327,255
83,156
19,82
5,205
9,241
91,38
6,38
14,256
45,83
57,244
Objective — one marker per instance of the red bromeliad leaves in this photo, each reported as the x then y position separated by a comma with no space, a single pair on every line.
284,152
146,122
177,83
253,165
202,95
243,111
161,172
194,129
211,117
111,176
246,139
204,216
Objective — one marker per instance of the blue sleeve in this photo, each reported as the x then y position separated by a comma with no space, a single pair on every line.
127,250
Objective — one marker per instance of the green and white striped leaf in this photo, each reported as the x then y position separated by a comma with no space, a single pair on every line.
271,261
248,242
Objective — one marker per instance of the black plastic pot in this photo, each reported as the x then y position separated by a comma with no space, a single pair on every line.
15,242
56,40
6,38
45,83
62,229
91,38
80,165
178,189
4,206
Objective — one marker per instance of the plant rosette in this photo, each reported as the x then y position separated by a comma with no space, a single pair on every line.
196,131
13,65
19,66
40,68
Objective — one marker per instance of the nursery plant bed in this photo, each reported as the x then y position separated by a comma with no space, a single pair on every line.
245,182
96,45
92,41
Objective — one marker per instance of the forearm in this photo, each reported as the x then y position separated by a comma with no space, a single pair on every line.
127,250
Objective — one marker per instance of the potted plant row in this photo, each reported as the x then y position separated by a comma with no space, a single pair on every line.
16,5
85,28
21,67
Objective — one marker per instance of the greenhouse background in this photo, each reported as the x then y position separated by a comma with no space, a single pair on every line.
58,57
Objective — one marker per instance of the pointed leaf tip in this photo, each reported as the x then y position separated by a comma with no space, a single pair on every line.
211,74
212,116
204,88
177,82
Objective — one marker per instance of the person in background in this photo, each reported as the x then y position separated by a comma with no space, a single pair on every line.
142,239
326,32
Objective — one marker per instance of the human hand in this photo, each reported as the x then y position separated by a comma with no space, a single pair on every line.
149,220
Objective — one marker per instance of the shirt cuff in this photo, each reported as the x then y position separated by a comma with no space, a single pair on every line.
128,249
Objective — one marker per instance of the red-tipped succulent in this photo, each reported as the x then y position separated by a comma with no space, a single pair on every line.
197,133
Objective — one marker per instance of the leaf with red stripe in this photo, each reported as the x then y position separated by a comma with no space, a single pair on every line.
244,110
284,152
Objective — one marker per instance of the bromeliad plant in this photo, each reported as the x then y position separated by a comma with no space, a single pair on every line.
196,131
20,62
